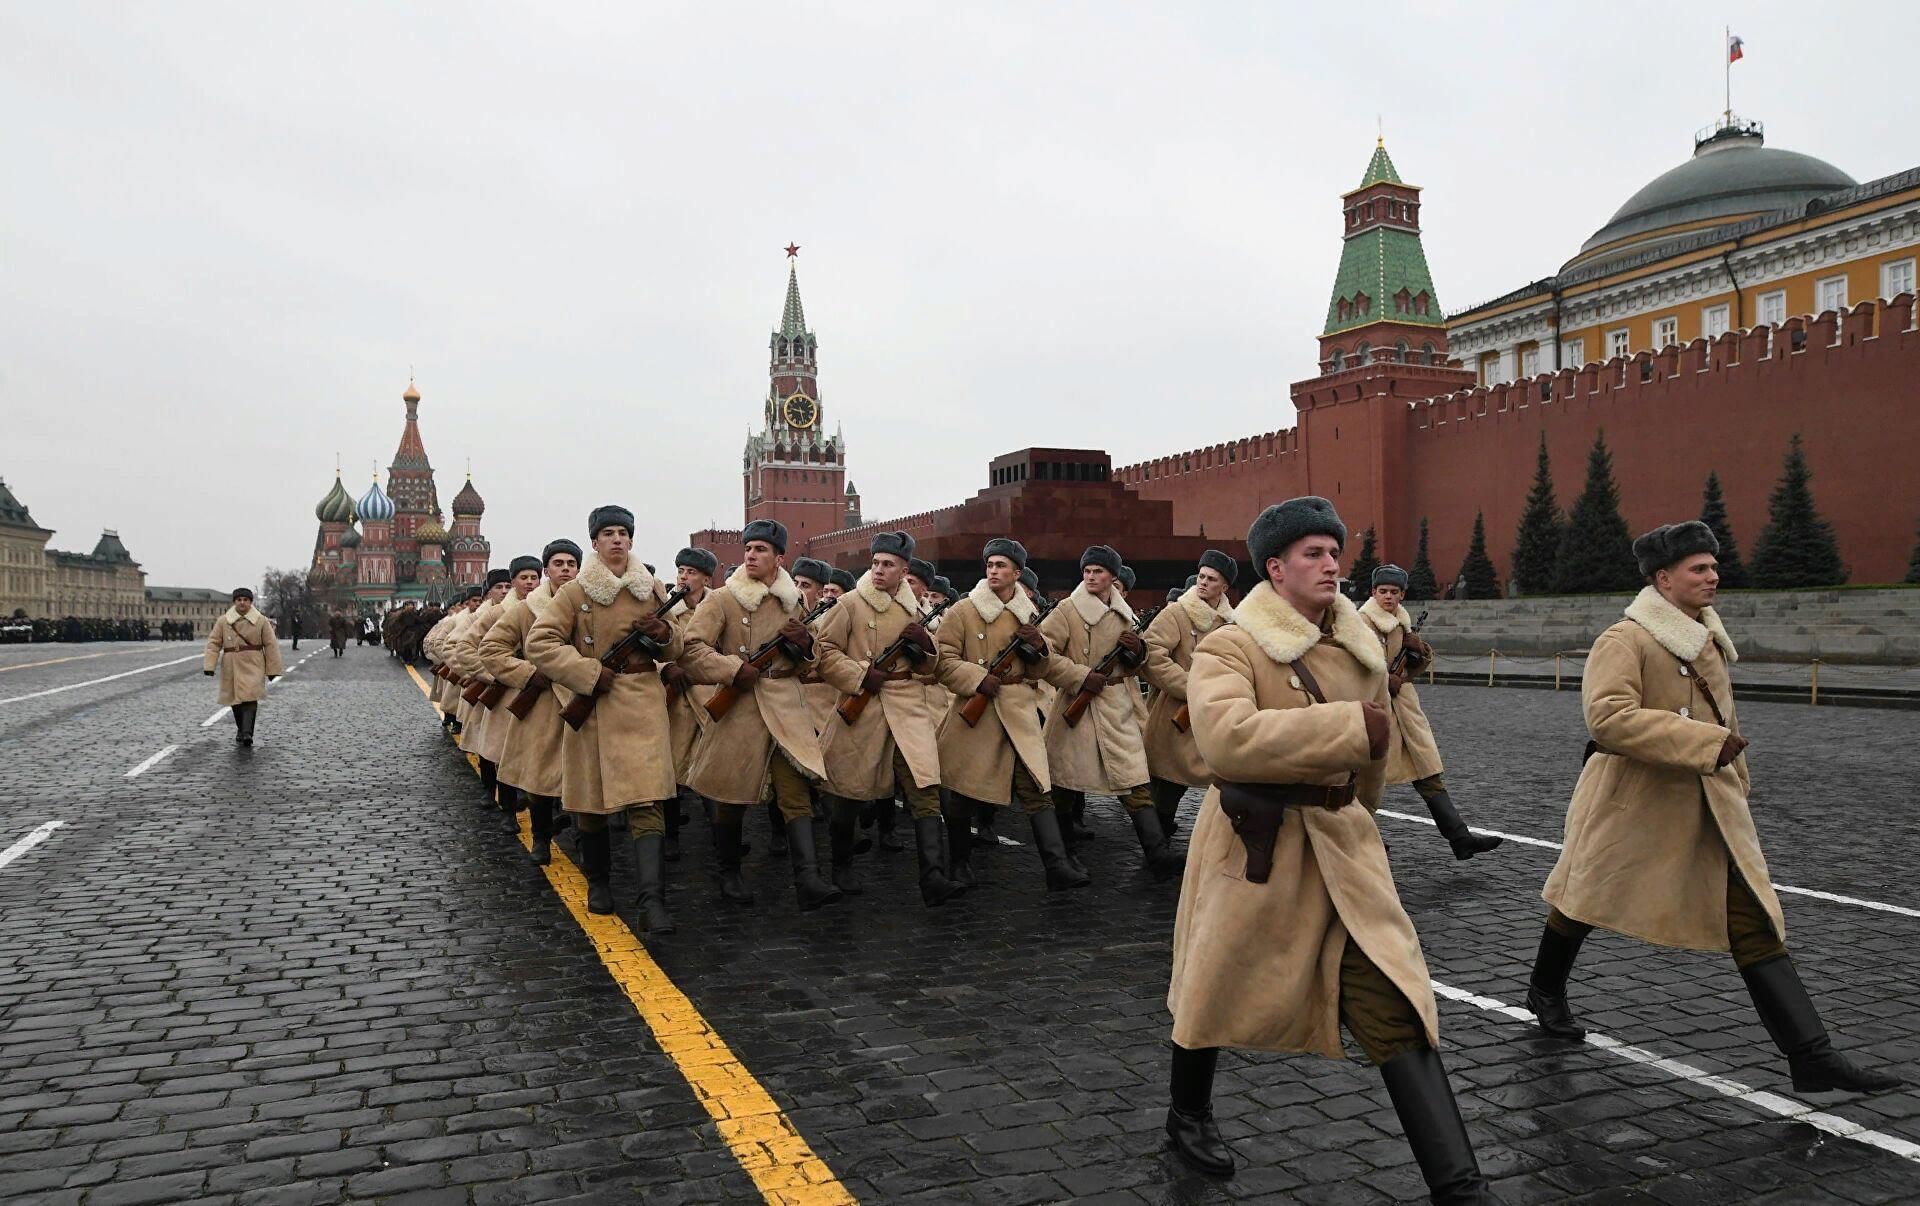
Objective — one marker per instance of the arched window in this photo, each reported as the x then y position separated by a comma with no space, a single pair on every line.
1338,359
1363,354
1344,309
1427,354
1400,351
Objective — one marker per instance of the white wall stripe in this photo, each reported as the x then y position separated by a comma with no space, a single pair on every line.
96,681
150,763
1772,1103
1815,893
28,842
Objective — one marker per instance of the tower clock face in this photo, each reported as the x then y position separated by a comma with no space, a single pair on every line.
801,411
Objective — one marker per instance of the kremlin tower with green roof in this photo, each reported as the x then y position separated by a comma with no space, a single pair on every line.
1384,304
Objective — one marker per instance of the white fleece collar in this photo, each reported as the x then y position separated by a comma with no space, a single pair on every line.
536,600
1675,631
601,586
1285,635
752,593
879,600
1203,615
989,605
1092,610
234,617
1386,621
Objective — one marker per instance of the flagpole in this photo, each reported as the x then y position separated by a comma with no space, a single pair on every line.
1726,62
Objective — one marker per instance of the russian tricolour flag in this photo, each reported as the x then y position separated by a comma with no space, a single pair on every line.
1734,53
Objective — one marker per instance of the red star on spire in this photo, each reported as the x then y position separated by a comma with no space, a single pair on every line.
793,249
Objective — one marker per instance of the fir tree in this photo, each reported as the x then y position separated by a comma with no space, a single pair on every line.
1797,547
1713,513
1596,553
1477,569
1360,581
1913,562
1420,583
1536,546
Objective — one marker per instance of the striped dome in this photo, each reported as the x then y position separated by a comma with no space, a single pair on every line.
337,506
374,505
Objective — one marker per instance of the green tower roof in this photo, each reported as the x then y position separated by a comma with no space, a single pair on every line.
1380,168
793,320
1381,261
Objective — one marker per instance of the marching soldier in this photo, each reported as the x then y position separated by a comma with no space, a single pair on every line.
1660,843
430,645
687,717
620,759
464,655
1173,759
766,739
246,651
1289,924
813,577
893,744
530,765
1105,752
1004,756
1414,756
838,584
496,729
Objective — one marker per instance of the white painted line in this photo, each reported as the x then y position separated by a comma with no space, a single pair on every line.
150,763
28,842
1815,893
1772,1103
217,715
96,681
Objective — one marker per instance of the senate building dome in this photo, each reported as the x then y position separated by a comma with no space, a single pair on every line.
1732,176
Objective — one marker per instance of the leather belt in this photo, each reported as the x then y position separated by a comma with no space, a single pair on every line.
781,672
637,665
894,676
1257,810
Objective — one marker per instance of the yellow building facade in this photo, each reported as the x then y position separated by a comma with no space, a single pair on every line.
1741,235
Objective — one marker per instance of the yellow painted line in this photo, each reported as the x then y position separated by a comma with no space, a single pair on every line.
762,1137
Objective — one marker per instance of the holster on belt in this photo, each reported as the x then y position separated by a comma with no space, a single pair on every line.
1257,811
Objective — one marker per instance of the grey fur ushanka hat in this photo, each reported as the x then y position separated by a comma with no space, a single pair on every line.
770,530
1660,548
1389,575
1277,527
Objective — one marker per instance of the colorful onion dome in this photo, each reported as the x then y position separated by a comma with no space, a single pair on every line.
337,506
350,539
431,532
468,501
374,505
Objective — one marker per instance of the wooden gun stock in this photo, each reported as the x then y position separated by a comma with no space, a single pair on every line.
1182,719
522,705
581,706
474,690
724,699
852,706
1078,705
976,706
492,694
1400,658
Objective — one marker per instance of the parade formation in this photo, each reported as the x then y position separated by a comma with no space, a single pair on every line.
595,693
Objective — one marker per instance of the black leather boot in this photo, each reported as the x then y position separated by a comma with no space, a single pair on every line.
1190,1126
727,823
842,815
1062,874
511,803
243,715
596,863
1162,859
983,818
1166,802
490,782
650,865
1071,806
960,843
1795,1026
540,816
777,827
886,813
935,887
1423,1099
670,844
808,887
1547,989
1465,842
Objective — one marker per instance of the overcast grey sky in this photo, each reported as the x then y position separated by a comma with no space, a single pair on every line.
227,231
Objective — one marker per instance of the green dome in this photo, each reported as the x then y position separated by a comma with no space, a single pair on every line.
337,506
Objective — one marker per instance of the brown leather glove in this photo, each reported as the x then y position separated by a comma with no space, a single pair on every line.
538,682
1394,683
1135,647
1730,749
747,675
1094,682
916,634
1378,729
675,677
873,681
795,633
606,682
656,629
989,687
1420,648
1032,638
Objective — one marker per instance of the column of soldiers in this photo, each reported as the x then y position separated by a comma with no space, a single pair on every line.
810,692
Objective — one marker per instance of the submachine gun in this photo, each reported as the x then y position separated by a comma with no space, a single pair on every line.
724,699
851,707
581,706
976,706
1078,705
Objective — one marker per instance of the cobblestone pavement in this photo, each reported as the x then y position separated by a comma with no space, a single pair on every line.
317,971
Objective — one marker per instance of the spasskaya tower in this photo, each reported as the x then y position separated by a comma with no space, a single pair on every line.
793,470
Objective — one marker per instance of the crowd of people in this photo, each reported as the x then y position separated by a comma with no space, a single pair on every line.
594,691
19,629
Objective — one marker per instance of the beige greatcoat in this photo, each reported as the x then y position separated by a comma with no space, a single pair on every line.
821,697
531,759
431,646
485,734
731,764
621,755
1413,753
1106,752
977,762
1652,824
859,757
246,651
1258,965
1171,639
687,718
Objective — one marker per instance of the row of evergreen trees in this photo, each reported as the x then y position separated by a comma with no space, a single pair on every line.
1589,550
